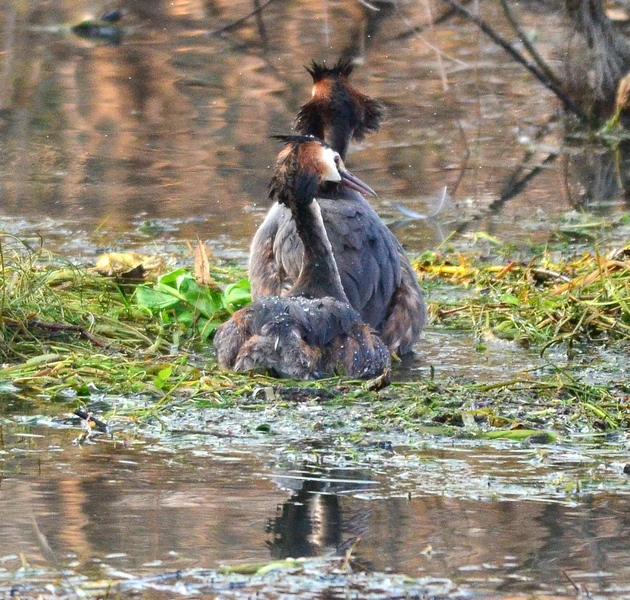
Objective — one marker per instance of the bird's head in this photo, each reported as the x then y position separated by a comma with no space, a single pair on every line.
307,166
337,112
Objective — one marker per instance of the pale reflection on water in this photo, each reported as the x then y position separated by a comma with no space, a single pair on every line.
172,125
109,507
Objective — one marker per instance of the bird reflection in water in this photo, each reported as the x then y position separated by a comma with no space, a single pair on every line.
312,521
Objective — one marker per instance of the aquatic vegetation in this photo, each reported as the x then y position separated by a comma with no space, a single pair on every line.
544,301
70,335
49,305
303,578
178,297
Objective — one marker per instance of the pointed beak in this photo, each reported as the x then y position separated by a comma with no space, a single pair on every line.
354,183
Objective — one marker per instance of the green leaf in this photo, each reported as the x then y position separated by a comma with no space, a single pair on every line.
190,304
520,434
185,316
210,304
510,299
153,299
162,377
170,278
237,294
482,235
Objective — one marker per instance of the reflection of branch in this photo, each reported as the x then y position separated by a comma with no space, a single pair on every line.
517,181
533,69
417,32
542,65
516,186
438,55
261,26
464,166
235,24
420,28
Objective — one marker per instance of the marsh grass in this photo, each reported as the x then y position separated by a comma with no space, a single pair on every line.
558,402
47,305
541,302
68,333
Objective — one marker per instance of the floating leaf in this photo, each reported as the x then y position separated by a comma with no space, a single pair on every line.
179,296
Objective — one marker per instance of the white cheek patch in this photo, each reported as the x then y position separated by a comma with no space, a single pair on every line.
331,173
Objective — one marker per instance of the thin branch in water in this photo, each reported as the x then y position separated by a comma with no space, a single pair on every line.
438,55
240,21
542,65
90,418
533,69
582,590
64,327
435,49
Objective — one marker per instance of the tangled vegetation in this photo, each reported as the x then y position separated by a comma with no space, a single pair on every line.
67,332
541,301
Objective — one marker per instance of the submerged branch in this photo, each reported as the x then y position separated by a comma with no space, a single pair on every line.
234,24
55,327
533,69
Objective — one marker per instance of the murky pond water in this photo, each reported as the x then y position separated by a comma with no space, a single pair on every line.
172,126
476,515
164,138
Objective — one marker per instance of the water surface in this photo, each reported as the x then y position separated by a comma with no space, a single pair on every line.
138,508
172,125
163,139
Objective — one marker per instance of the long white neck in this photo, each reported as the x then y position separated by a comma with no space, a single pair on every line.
319,276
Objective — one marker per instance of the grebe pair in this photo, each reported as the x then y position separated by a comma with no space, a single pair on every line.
323,245
375,272
313,331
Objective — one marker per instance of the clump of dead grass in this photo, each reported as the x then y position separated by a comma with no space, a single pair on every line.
542,301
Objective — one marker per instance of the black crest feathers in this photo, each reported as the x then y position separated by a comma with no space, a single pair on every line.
319,71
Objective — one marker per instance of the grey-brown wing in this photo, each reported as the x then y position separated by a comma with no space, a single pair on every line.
275,254
367,253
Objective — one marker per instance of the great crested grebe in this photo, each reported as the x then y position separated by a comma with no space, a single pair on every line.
313,331
337,112
375,273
